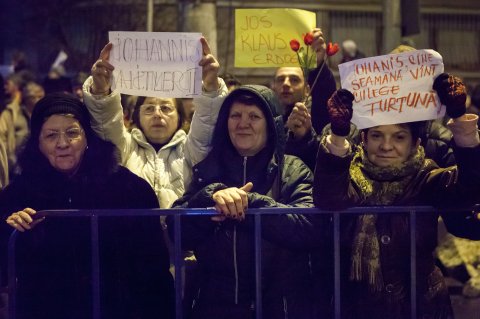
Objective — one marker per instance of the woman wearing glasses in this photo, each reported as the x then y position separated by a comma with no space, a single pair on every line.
64,165
157,149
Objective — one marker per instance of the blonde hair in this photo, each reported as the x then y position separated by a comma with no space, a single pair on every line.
402,48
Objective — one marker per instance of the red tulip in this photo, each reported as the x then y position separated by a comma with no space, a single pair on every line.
332,49
294,45
308,38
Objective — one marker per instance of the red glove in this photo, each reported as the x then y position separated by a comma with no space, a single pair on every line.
452,93
340,111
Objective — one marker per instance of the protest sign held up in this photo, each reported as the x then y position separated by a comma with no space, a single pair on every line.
262,36
394,88
161,64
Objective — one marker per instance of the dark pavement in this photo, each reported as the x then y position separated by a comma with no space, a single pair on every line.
464,308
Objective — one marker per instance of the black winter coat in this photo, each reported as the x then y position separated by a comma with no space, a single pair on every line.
225,251
321,92
53,259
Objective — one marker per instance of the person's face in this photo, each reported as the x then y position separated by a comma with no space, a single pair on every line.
158,119
289,85
10,88
247,128
389,145
63,142
32,95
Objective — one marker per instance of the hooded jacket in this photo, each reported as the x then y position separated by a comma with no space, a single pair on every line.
225,250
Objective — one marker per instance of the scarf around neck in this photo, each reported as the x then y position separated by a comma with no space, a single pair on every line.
379,186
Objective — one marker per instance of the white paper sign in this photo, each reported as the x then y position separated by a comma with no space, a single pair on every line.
393,88
61,57
157,64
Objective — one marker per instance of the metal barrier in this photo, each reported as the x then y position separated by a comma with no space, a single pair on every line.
178,260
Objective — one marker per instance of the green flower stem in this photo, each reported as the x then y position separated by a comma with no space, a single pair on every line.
316,77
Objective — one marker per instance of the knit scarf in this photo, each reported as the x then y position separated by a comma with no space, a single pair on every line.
379,186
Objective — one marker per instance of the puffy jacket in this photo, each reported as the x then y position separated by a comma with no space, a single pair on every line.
167,170
225,251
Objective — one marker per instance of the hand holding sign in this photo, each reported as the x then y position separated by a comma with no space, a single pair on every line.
210,67
452,94
102,71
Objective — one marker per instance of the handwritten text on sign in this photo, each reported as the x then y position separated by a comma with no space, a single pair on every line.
160,64
262,36
394,88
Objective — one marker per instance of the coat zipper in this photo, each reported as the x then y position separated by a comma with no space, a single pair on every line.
235,266
245,170
285,307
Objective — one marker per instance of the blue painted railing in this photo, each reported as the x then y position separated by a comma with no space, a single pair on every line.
178,260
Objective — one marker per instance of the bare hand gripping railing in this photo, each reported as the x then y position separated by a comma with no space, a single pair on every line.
177,213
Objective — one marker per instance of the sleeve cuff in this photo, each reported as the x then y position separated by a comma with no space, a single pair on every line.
334,149
87,86
465,131
222,89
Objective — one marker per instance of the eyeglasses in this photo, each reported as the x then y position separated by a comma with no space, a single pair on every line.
150,109
71,135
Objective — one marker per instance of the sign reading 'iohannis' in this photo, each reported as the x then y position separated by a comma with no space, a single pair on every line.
160,64
394,88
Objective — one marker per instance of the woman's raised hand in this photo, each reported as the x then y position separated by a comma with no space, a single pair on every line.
340,111
102,72
210,67
319,45
452,93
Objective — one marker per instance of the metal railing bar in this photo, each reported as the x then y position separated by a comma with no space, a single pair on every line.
258,266
12,278
336,250
95,266
254,211
413,265
177,230
177,213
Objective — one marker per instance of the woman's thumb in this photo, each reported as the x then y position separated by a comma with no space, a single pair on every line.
247,187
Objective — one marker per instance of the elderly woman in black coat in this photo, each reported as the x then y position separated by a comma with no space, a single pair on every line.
64,165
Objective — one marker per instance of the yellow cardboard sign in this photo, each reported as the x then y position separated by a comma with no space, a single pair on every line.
262,36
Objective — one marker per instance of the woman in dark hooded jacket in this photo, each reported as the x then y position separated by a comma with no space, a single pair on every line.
246,167
66,166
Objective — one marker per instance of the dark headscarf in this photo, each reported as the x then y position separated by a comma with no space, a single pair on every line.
100,158
58,103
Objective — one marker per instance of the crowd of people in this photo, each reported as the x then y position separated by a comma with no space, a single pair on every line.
234,147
